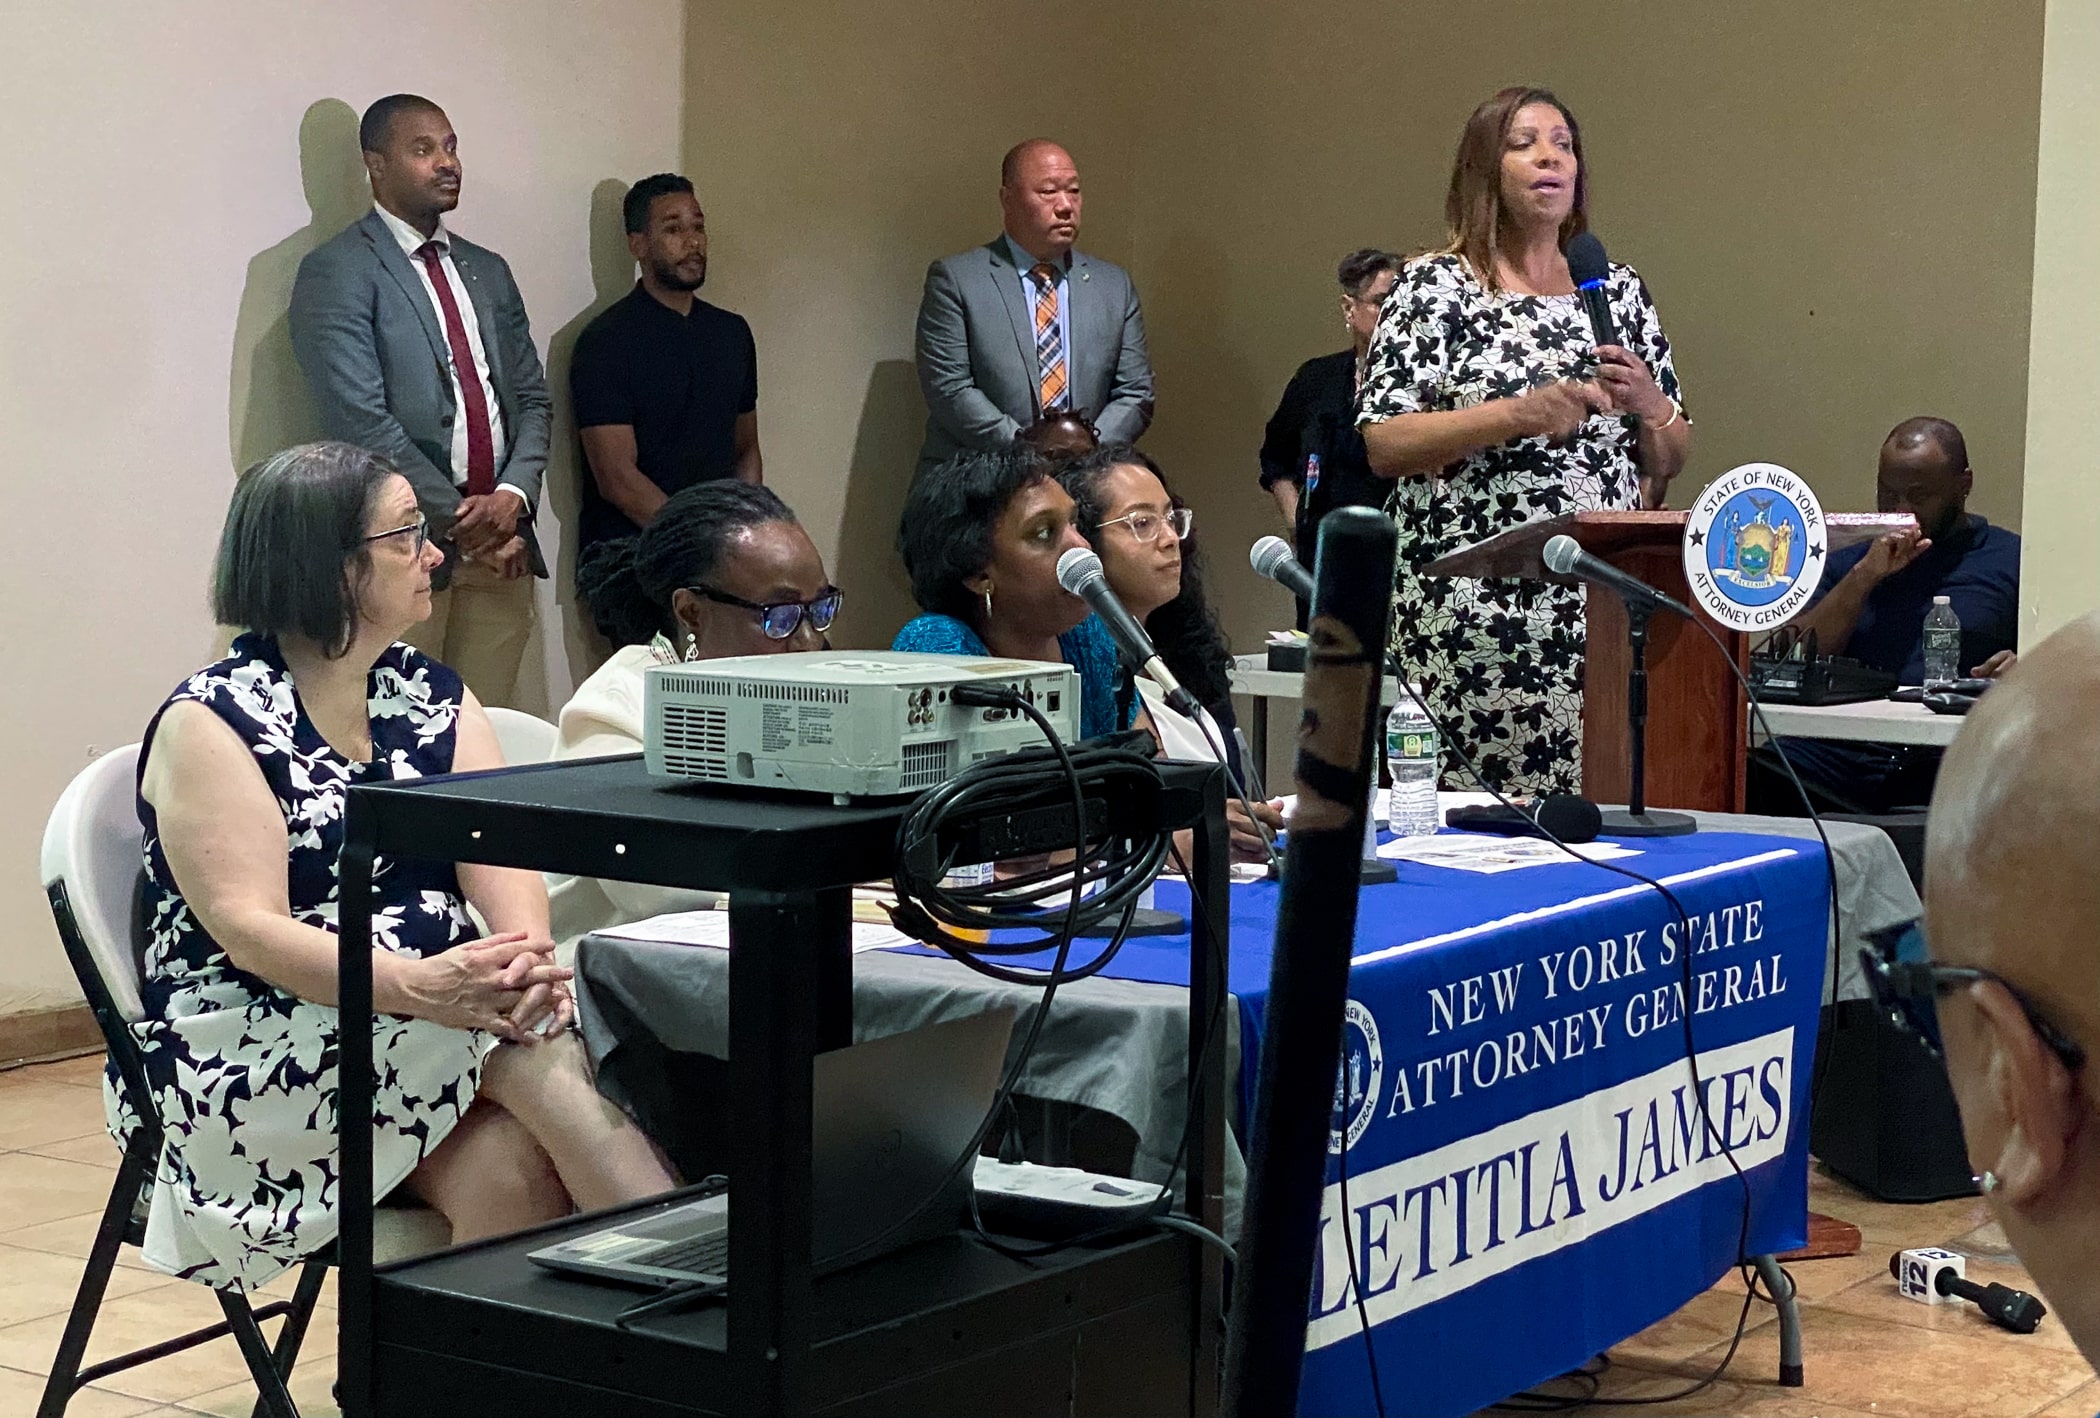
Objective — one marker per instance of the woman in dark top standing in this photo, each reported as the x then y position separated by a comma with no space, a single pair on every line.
1312,456
1488,403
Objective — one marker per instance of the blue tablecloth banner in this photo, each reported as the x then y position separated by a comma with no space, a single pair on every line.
1529,1178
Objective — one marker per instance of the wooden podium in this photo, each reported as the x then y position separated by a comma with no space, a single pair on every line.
1698,725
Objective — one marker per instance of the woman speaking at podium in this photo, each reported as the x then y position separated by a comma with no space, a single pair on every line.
1490,402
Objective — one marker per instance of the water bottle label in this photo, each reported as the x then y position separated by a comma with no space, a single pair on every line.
1412,743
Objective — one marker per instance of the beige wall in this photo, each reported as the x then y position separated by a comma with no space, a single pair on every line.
2060,562
838,149
165,168
1832,205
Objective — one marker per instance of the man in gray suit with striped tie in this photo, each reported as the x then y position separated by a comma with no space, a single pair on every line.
1025,325
415,344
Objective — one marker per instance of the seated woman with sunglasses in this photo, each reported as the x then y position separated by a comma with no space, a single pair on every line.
724,569
1143,536
2013,990
484,1102
980,538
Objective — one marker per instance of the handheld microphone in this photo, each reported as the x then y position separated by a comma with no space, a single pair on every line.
2004,1306
1079,571
1588,268
1564,556
1273,560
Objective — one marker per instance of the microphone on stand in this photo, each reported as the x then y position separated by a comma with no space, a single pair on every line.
1273,560
1079,571
1564,556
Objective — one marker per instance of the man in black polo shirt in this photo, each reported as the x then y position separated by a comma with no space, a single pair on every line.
665,385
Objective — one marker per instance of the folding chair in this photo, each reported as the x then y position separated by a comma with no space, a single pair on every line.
91,871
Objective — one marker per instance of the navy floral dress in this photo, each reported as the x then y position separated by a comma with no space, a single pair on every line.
1500,660
244,1074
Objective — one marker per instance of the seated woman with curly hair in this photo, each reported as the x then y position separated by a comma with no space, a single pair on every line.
980,538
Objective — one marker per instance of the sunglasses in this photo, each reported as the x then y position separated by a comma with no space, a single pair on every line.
780,619
1908,992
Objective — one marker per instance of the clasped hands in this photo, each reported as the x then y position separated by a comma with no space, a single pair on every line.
507,984
1623,385
485,529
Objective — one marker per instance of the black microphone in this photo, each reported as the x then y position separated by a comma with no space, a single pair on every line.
1564,556
2004,1306
1273,560
1079,571
1586,264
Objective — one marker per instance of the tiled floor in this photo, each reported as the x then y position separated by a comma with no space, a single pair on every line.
1869,1352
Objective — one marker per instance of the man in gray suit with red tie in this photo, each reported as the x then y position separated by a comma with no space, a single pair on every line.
1026,326
415,344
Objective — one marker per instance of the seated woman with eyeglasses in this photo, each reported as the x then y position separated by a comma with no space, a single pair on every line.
1143,536
980,538
723,570
484,1103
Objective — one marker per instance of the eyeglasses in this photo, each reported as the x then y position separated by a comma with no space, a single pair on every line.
421,528
1145,525
1908,992
780,619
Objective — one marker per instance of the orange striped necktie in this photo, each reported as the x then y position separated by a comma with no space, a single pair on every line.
1051,390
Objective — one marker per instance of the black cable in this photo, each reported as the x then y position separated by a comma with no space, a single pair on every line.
1690,988
1691,1056
1363,1314
980,790
1163,1206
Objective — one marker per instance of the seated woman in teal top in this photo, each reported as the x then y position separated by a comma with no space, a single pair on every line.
980,538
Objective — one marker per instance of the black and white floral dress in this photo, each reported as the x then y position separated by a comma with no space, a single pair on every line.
1500,660
244,1074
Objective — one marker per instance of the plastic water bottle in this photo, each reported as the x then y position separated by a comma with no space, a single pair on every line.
1942,643
1410,759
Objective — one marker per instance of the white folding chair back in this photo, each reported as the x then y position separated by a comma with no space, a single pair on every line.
91,844
524,738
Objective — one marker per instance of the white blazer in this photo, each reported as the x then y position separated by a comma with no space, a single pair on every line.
604,717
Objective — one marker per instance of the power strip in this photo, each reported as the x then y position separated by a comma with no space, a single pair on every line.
1053,1202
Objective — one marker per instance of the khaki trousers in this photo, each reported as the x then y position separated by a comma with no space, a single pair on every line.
479,625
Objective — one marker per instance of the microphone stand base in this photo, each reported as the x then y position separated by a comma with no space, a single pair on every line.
1149,920
1619,823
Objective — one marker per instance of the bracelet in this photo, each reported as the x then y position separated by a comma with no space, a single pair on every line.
1676,413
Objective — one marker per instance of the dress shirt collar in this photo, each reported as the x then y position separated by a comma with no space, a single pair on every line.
1026,263
410,239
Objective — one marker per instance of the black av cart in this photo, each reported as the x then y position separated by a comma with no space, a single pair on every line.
947,1327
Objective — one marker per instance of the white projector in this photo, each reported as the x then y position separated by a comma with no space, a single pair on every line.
845,723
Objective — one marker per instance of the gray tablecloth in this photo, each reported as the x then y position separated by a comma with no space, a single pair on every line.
1112,1045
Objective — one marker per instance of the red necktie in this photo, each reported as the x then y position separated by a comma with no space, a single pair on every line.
481,443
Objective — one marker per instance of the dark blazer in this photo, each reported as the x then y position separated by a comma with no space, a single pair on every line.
376,360
976,351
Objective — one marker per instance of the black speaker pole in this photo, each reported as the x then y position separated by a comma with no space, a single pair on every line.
1309,978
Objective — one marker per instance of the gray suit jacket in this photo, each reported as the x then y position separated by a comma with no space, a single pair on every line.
976,352
376,360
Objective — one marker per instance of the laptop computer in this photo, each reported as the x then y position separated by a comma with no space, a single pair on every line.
890,1117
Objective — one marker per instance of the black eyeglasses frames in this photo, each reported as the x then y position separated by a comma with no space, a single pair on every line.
1909,990
780,619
